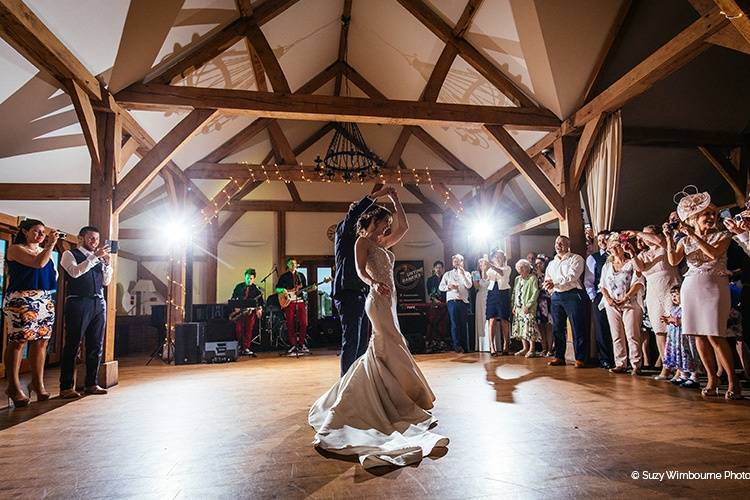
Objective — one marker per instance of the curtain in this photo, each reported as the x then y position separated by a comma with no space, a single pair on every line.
603,173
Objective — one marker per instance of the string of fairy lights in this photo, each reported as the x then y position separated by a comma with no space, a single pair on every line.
274,173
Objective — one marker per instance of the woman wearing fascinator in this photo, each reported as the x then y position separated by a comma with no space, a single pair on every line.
705,292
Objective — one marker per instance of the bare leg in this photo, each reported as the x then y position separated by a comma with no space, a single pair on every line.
505,329
707,358
744,359
726,360
524,349
493,349
661,345
13,367
644,349
549,336
37,356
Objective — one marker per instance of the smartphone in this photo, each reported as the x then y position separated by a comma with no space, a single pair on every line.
113,245
725,214
475,275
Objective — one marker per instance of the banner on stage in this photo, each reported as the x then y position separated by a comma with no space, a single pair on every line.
409,278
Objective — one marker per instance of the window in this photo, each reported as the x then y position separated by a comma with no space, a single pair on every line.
325,302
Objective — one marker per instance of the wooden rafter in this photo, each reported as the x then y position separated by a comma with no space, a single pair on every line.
150,165
87,119
471,55
529,169
533,223
28,191
313,206
207,170
293,191
509,168
738,15
346,16
663,62
584,149
470,10
203,51
267,58
728,172
331,108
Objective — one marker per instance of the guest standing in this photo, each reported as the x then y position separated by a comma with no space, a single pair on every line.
88,271
621,289
562,280
543,307
661,277
594,265
437,314
29,308
456,283
680,351
481,284
498,301
525,295
705,289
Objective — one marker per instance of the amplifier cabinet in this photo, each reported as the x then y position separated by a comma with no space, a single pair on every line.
220,352
188,343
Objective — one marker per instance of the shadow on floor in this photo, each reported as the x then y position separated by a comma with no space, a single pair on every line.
10,416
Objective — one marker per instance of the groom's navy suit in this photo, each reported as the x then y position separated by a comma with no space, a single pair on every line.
349,292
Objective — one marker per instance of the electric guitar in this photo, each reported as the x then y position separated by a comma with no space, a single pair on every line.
234,315
289,296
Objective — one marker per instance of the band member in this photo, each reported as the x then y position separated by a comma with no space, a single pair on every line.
249,292
349,291
290,283
88,271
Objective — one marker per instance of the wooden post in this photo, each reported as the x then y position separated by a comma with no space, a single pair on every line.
101,215
212,264
571,225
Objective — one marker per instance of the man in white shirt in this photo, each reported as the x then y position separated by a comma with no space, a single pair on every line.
456,283
594,265
88,271
569,302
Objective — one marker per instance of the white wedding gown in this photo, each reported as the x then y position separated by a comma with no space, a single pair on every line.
379,410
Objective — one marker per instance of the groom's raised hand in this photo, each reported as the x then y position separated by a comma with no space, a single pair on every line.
384,191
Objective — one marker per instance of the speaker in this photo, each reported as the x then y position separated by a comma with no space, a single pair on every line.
188,343
220,352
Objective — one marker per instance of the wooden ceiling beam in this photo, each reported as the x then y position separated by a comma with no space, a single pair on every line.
737,15
151,163
331,108
205,50
86,118
26,33
267,58
312,206
471,55
203,170
30,191
728,172
228,224
440,151
533,223
346,17
663,62
467,16
293,191
509,168
529,169
584,149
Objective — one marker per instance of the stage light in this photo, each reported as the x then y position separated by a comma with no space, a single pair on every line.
177,231
480,231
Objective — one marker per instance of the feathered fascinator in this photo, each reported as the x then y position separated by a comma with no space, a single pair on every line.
690,202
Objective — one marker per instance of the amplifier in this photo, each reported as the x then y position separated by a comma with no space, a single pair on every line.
188,343
220,352
220,330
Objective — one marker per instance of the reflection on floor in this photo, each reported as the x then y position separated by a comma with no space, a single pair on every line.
517,427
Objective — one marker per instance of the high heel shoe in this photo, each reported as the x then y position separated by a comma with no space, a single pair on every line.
732,395
40,396
707,392
17,403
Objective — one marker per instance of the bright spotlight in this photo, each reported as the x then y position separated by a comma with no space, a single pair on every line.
480,231
177,231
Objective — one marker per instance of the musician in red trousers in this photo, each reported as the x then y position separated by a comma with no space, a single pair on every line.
292,283
245,322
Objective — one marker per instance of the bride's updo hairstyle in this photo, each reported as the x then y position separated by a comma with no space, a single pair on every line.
373,215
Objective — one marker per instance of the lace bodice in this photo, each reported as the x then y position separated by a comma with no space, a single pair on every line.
698,261
380,265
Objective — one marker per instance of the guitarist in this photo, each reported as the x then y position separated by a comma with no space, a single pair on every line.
245,324
296,312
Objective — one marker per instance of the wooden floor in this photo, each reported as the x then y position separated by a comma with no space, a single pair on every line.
517,428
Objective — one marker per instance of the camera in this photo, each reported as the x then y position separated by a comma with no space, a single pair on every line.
674,226
61,235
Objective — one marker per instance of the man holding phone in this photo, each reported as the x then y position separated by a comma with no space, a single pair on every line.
88,271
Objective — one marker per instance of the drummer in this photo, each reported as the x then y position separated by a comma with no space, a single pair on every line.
249,292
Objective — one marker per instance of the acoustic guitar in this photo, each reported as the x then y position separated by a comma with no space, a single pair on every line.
286,298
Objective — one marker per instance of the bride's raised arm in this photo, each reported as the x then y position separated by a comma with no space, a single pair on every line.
400,223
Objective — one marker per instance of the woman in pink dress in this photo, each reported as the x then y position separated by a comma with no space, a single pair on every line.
705,290
660,276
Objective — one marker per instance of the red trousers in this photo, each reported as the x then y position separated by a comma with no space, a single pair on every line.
296,322
244,327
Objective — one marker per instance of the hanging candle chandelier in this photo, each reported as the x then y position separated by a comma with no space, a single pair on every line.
348,156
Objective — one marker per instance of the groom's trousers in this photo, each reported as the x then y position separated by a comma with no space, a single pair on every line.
350,305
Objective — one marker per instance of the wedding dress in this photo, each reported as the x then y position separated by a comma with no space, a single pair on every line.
379,410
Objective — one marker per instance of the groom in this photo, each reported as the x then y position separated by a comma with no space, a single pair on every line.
349,292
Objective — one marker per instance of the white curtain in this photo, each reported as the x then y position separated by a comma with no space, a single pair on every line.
603,173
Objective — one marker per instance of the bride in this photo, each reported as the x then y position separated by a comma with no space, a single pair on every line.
379,410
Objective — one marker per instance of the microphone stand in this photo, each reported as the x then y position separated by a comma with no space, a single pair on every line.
273,270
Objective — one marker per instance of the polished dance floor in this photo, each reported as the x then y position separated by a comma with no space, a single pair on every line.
518,429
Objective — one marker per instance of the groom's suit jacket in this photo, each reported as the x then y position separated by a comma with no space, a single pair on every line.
346,277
